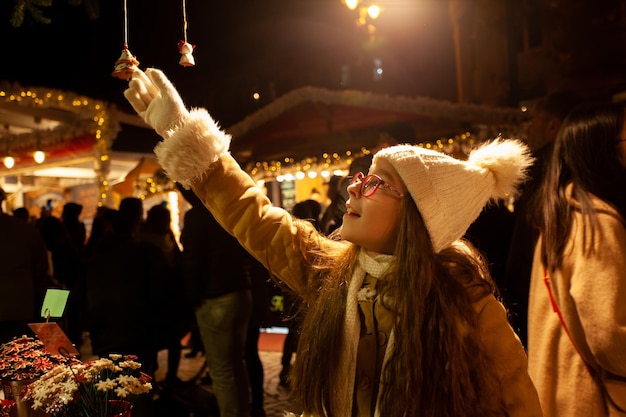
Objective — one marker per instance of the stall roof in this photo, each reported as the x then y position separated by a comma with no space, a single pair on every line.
305,123
309,121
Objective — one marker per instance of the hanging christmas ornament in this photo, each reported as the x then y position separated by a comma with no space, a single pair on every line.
186,50
125,65
127,62
184,47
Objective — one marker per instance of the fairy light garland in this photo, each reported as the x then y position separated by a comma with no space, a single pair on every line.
458,146
93,117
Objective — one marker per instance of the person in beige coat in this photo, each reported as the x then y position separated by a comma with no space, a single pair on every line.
401,317
577,302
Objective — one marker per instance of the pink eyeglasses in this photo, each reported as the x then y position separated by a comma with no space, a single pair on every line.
371,183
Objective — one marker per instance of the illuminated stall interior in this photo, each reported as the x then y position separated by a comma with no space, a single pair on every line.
292,145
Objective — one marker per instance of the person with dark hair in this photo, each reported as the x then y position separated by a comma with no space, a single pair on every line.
401,317
103,225
217,273
131,215
176,315
22,213
74,226
332,215
545,121
67,269
23,274
577,304
125,289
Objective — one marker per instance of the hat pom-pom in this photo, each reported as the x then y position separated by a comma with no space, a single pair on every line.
508,161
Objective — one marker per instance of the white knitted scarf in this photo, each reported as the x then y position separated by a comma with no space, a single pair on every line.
376,265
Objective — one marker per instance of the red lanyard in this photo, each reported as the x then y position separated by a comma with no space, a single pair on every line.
594,373
555,307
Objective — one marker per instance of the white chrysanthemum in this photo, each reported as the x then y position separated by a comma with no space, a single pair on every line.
106,385
130,364
121,392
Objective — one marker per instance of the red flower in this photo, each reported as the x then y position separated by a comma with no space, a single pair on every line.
5,407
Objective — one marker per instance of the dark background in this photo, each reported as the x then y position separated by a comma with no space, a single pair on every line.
243,46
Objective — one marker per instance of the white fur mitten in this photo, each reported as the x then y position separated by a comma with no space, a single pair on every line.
156,100
193,141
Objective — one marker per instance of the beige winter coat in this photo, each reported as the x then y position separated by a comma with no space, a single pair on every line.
267,232
590,291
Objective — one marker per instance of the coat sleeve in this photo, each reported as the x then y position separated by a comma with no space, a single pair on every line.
267,232
598,291
505,349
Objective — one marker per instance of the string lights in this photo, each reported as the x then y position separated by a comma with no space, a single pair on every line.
327,164
8,160
93,118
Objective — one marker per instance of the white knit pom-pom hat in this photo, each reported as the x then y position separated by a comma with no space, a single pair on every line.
449,192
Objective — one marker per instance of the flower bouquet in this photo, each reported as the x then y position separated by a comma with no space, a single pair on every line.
26,358
99,388
23,360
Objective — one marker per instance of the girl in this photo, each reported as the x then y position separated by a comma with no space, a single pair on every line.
575,354
401,318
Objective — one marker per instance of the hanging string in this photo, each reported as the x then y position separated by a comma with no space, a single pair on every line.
125,26
185,20
127,62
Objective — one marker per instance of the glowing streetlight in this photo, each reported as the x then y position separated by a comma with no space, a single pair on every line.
366,8
39,156
351,4
374,11
9,161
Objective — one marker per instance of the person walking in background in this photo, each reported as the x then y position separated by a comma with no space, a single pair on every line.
259,285
177,315
103,225
577,304
23,274
77,232
67,268
22,213
401,317
545,121
125,288
74,226
332,215
216,275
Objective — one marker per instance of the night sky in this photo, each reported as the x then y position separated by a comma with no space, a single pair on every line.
243,46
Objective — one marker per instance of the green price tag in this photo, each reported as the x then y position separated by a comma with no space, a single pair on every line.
54,303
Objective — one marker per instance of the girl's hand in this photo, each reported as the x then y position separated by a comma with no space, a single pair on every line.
156,100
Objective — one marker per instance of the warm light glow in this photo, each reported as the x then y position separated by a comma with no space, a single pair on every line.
9,162
374,11
351,4
299,175
312,174
39,157
172,199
